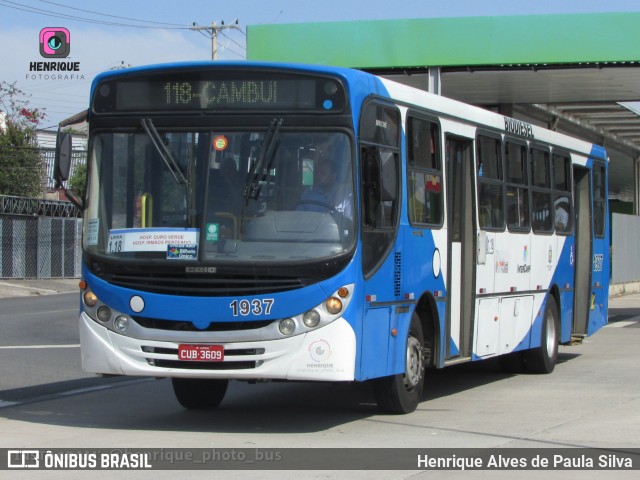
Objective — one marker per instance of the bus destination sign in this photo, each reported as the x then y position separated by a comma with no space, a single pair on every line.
183,94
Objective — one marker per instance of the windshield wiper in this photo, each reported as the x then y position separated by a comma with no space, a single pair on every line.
254,182
164,152
170,162
267,149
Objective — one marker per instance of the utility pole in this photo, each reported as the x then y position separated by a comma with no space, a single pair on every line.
213,30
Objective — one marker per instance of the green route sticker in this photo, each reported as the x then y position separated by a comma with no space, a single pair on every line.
212,232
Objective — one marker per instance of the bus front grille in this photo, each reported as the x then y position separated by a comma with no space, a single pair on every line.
186,365
229,362
203,286
187,326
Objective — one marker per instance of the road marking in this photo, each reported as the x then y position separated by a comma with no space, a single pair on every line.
76,391
621,324
26,347
49,312
24,287
79,391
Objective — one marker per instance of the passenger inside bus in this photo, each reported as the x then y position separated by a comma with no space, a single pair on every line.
321,196
328,192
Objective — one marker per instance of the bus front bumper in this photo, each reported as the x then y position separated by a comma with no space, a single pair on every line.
326,354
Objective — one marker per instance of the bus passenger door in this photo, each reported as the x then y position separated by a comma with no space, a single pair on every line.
461,241
583,246
381,354
600,261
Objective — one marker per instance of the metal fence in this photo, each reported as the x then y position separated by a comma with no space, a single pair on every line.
78,157
39,239
625,260
47,157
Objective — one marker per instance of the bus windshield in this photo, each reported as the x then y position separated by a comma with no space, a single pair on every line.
220,196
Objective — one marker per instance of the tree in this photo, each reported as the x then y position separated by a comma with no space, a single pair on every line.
78,180
21,167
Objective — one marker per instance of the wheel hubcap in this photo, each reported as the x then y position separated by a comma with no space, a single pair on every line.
414,366
551,334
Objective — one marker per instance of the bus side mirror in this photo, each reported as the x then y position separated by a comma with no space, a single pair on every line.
62,166
62,163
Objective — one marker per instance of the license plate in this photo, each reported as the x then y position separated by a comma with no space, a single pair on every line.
201,353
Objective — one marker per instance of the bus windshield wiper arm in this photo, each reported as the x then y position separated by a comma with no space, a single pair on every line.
164,152
252,188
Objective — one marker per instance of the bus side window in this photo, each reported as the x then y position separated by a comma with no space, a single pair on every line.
563,207
599,201
517,187
371,183
389,187
424,176
380,178
379,203
490,183
541,186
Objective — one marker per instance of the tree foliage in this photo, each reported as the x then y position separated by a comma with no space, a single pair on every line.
21,167
78,180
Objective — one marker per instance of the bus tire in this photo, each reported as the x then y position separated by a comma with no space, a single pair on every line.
543,359
199,393
401,393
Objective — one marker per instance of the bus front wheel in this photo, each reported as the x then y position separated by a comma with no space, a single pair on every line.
199,393
401,393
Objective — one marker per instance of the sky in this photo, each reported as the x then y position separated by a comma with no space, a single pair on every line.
117,33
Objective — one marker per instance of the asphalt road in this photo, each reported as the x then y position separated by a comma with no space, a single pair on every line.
40,347
592,399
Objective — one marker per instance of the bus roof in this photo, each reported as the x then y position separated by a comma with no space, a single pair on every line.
362,85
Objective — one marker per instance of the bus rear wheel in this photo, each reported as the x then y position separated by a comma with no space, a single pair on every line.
401,393
199,393
543,359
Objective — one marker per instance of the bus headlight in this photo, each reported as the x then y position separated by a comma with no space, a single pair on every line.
333,305
90,298
104,313
319,316
311,318
287,326
121,323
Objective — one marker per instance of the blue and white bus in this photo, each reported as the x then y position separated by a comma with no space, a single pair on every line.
249,221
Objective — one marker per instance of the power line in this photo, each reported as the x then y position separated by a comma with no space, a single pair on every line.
111,16
227,48
231,50
40,11
232,40
213,30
